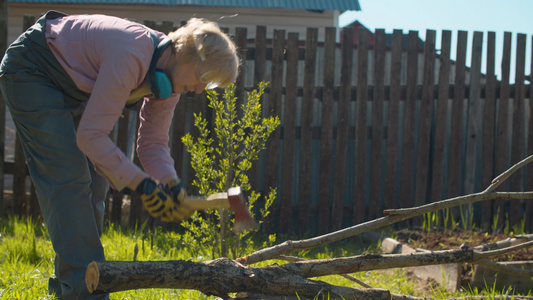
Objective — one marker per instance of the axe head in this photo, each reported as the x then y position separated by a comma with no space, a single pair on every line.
243,218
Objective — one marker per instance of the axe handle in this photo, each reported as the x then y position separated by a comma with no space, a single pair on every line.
213,201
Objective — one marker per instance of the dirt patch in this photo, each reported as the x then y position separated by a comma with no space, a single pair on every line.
440,239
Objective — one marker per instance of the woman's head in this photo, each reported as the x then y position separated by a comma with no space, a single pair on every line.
203,44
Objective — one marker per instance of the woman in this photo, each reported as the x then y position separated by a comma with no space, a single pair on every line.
66,81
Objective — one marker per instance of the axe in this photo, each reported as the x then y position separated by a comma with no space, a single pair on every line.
234,199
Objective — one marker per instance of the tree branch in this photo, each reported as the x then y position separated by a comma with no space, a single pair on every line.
393,216
349,277
499,267
484,254
519,239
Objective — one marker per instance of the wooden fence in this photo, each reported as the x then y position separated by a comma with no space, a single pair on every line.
371,126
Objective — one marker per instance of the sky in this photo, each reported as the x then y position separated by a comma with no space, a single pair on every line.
514,16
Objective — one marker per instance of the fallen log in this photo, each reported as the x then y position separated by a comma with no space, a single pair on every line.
217,277
223,276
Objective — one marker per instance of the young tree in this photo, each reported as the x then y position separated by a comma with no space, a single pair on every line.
221,160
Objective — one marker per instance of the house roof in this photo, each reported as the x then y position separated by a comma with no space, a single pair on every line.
318,5
388,37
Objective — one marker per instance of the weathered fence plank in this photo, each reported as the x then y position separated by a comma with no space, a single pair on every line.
3,47
259,76
408,143
289,134
376,209
437,176
273,108
122,143
241,43
20,201
423,162
474,117
529,180
326,133
502,130
343,123
19,180
516,210
361,128
456,138
306,130
489,124
393,128
137,213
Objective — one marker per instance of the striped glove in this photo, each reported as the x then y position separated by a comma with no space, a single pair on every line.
159,201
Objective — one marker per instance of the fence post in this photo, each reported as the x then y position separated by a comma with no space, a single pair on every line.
3,47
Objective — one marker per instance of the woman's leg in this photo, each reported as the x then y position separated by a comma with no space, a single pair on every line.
60,172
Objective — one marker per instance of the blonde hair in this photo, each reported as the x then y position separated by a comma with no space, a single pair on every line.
203,43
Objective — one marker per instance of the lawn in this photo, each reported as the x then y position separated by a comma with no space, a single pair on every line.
26,263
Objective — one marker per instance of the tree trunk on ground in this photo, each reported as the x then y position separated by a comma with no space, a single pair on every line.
222,276
217,277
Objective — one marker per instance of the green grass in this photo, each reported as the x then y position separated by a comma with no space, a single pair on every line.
26,263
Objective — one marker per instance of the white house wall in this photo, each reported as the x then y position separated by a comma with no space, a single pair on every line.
291,20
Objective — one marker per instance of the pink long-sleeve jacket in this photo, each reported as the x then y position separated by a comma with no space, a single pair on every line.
109,57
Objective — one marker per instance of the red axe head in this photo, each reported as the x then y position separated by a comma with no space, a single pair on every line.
243,218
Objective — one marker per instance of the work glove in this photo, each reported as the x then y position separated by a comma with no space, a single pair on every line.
176,190
178,194
159,202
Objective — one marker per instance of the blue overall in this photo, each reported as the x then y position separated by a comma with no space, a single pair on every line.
45,103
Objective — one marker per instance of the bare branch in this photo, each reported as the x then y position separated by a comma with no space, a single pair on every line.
502,177
367,262
349,277
484,254
499,267
394,216
519,239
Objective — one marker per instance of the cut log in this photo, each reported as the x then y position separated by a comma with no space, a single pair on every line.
217,277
